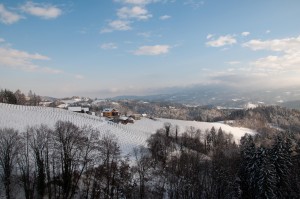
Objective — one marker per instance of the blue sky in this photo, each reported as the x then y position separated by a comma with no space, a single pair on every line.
103,48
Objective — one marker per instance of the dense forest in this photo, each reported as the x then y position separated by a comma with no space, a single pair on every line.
67,161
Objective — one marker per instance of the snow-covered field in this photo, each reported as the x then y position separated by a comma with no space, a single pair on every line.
129,136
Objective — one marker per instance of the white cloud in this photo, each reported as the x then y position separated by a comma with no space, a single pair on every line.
109,46
194,3
2,40
222,41
209,36
287,45
268,31
288,60
119,25
136,2
152,50
279,63
245,34
22,60
45,11
233,62
165,17
137,12
8,17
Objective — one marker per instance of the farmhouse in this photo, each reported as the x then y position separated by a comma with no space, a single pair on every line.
78,109
110,112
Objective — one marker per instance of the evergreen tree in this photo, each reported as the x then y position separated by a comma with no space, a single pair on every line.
281,156
266,184
247,155
8,97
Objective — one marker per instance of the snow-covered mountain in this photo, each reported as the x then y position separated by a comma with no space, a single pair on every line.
129,136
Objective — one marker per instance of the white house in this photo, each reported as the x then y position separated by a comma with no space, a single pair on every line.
78,109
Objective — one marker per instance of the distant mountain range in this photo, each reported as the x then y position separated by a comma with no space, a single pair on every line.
226,96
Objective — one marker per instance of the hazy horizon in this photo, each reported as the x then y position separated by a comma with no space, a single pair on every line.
141,47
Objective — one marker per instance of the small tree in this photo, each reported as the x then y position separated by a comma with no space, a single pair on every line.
167,126
20,97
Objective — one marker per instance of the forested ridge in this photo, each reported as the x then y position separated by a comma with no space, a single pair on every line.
77,162
265,117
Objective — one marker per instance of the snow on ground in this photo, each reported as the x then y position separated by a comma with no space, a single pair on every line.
153,125
129,136
250,105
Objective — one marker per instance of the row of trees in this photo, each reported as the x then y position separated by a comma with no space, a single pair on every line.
68,161
9,97
64,162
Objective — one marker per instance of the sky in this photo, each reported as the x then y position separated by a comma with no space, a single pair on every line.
105,48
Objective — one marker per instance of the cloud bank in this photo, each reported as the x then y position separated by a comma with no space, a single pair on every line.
288,49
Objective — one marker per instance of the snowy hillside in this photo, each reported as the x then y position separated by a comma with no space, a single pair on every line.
129,136
152,126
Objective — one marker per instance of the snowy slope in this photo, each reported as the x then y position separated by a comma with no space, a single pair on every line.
152,126
129,136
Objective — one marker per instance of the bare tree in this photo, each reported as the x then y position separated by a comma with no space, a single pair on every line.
9,149
90,160
143,164
39,145
72,149
21,98
26,165
109,153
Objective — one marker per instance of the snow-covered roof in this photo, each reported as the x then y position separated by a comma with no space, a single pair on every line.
75,109
85,109
123,118
62,106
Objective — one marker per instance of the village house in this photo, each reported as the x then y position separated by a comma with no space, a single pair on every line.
78,109
110,112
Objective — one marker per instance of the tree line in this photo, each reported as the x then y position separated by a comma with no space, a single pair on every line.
68,161
17,97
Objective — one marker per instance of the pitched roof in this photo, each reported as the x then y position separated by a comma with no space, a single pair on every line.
75,108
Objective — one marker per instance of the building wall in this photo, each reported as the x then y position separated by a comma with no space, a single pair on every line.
107,114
